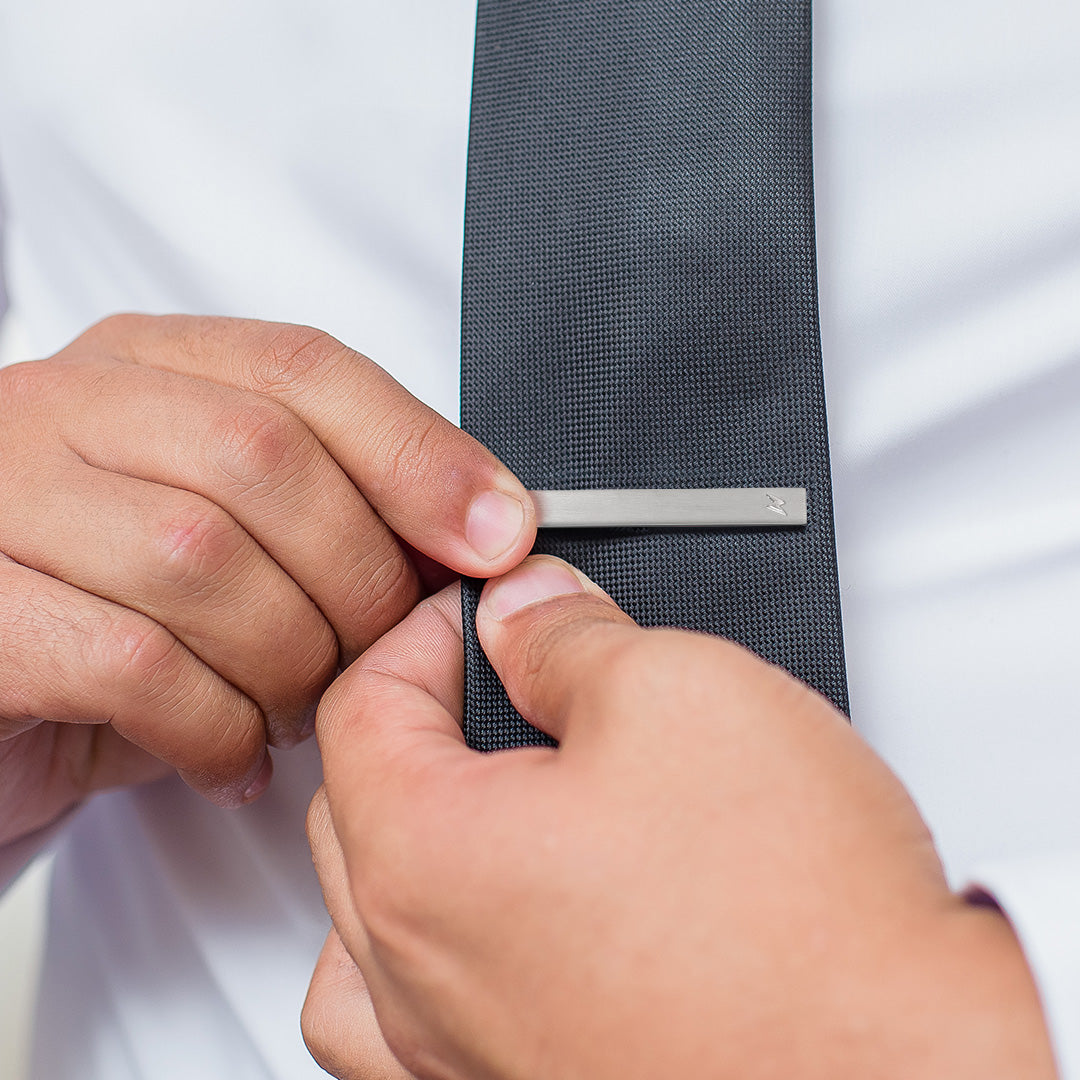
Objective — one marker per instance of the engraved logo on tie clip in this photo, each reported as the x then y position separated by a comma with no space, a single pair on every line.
776,505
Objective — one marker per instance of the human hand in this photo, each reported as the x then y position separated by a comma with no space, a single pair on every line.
199,520
712,876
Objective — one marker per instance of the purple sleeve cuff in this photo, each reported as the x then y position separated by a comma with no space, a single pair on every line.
1040,896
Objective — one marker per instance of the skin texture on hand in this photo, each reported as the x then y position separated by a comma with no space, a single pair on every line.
200,520
712,876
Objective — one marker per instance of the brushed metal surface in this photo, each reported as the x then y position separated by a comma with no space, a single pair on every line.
670,507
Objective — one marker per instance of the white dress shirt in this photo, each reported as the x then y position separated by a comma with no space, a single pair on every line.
306,163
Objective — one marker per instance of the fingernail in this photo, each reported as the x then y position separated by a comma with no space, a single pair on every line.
493,524
529,584
261,781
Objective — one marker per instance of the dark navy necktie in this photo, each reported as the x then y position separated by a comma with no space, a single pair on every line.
639,307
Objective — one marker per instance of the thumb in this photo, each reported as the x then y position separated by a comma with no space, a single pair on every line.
549,632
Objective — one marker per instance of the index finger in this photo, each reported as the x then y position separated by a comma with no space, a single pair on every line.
434,485
389,728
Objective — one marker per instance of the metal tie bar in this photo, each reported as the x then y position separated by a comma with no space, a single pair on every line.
671,507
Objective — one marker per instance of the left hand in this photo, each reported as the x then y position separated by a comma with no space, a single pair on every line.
200,518
712,875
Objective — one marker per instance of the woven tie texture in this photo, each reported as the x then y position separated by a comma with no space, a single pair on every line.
639,308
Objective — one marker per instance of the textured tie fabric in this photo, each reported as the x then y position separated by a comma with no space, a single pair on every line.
639,307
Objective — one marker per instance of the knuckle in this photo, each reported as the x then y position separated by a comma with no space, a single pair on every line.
229,748
214,755
311,1025
115,323
316,1027
294,357
261,438
314,667
534,660
132,650
385,594
194,545
408,454
25,618
120,326
21,383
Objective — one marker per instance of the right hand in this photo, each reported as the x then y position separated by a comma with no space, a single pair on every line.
711,876
199,522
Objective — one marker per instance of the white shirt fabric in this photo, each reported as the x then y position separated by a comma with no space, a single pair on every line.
306,163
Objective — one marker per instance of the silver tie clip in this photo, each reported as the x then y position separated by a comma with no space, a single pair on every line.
670,507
